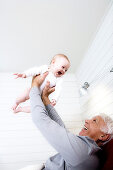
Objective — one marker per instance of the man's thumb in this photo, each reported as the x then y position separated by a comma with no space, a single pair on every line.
45,74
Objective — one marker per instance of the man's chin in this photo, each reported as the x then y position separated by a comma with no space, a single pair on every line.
82,133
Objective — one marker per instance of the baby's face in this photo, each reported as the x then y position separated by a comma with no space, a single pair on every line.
60,66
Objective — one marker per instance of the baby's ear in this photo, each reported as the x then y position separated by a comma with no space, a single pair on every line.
53,61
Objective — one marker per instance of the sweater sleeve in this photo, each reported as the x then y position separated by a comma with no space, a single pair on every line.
54,115
70,146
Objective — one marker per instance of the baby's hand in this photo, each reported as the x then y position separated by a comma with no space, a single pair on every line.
19,75
53,102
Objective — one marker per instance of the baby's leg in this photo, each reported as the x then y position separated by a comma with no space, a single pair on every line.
25,109
22,98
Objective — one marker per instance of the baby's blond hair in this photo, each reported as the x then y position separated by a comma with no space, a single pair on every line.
60,55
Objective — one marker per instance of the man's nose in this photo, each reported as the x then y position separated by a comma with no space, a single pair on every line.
87,121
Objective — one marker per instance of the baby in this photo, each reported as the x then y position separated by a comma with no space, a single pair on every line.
57,68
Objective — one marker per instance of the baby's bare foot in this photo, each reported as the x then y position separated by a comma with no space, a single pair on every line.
14,106
53,102
17,110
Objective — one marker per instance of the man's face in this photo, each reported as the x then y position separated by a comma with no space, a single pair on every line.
92,128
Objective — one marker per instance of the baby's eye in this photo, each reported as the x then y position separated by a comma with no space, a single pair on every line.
62,66
65,70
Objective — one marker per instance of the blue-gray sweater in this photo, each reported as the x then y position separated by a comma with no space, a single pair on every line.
74,152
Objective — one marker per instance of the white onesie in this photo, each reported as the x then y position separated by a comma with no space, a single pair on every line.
54,81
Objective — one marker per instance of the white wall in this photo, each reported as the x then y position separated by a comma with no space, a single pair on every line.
95,69
21,143
32,32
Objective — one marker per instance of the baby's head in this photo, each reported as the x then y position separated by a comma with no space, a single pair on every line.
59,65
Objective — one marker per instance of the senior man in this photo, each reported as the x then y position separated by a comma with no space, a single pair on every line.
75,152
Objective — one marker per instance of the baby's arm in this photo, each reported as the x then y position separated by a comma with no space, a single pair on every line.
32,71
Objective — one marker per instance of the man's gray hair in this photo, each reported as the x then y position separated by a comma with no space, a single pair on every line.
109,124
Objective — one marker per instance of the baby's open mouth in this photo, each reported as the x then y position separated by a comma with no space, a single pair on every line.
59,72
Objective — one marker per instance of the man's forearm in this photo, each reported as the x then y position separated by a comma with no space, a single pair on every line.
45,100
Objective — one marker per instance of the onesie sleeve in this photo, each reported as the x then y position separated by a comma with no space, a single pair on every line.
36,70
54,115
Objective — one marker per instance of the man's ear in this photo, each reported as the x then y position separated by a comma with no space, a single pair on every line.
104,137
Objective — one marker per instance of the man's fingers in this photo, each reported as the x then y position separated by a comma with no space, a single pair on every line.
47,89
51,90
47,86
44,75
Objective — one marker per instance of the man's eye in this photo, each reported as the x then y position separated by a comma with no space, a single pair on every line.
94,120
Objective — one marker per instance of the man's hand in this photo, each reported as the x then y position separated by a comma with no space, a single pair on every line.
46,92
38,80
19,75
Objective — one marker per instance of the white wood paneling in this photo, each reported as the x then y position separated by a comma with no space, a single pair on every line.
95,69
